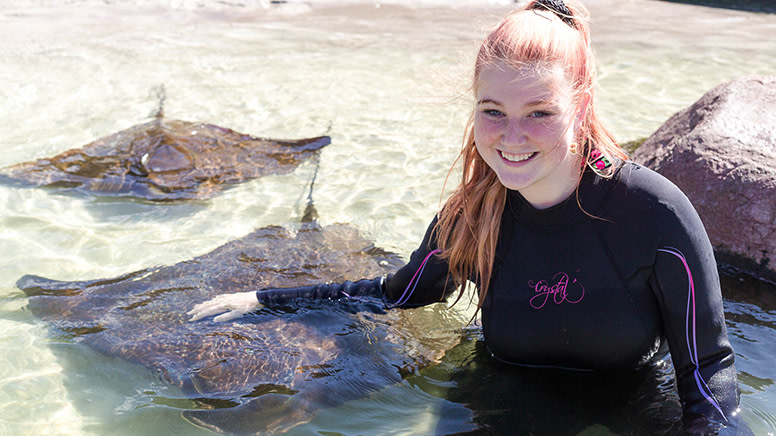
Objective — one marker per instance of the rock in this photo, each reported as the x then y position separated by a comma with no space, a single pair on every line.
721,152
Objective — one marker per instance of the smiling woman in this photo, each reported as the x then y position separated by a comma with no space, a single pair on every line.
523,131
384,80
534,215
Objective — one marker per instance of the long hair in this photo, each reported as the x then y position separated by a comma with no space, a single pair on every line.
532,35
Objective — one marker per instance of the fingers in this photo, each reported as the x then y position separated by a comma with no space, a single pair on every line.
200,312
212,307
228,316
234,305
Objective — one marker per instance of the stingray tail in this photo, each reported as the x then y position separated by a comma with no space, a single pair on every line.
161,94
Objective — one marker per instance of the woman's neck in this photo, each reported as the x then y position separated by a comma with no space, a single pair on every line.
546,195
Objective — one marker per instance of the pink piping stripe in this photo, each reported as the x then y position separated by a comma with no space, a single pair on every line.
693,348
417,275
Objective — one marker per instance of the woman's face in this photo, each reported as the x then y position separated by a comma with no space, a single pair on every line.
524,123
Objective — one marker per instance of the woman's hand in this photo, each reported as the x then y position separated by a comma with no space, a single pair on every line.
234,305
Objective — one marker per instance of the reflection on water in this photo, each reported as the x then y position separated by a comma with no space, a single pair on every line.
750,311
385,83
511,400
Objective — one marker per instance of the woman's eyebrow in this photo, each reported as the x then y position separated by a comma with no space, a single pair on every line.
540,102
489,101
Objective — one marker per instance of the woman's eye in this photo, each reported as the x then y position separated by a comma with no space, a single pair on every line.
539,114
493,113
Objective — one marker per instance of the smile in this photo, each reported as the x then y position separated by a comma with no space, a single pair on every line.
512,157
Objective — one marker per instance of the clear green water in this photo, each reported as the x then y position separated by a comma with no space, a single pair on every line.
388,84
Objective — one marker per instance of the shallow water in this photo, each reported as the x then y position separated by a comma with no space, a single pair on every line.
387,83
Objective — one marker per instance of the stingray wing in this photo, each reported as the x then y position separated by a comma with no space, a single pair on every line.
164,160
315,355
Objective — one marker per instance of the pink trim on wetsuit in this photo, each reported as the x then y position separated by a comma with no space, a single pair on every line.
692,346
407,291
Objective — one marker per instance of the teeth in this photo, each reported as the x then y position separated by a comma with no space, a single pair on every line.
516,157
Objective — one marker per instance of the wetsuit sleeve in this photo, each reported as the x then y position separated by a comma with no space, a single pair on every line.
332,291
422,281
686,282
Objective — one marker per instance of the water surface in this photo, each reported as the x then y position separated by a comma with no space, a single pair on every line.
388,83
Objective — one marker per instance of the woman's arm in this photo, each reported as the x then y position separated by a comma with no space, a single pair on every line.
423,280
686,281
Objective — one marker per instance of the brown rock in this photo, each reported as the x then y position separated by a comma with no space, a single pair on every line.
721,152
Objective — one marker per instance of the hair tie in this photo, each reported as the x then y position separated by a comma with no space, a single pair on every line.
558,8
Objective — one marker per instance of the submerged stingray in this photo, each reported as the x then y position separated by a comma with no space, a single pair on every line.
166,160
264,372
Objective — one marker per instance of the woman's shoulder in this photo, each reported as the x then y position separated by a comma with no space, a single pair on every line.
642,189
638,179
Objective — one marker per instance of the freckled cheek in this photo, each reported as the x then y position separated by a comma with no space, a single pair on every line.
486,132
545,132
542,129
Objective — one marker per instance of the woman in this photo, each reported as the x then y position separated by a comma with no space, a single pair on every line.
582,260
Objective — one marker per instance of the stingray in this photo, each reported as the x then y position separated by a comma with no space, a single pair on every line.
163,160
264,372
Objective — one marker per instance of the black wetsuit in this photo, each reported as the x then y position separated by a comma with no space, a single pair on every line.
601,288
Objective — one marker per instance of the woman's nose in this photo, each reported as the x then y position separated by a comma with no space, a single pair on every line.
513,133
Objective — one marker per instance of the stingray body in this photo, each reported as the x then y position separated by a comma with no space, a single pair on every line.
264,372
166,160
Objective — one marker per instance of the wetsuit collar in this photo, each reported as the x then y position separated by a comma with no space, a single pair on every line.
593,190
